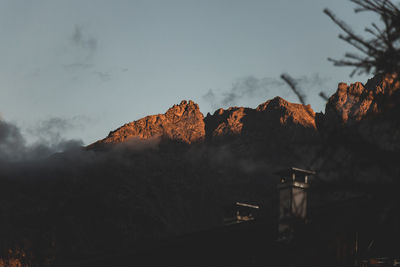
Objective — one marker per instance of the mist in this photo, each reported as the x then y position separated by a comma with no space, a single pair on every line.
15,148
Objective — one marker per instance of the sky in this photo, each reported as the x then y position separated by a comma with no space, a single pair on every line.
81,68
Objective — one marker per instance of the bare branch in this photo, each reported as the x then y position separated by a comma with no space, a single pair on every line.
293,85
381,53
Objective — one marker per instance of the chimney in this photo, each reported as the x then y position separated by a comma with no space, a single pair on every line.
293,186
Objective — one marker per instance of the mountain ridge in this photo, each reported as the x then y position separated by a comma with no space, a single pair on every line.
185,122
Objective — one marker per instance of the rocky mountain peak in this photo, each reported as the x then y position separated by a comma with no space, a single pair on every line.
356,101
185,107
183,123
289,112
274,116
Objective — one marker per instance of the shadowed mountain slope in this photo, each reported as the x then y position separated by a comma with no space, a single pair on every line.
175,173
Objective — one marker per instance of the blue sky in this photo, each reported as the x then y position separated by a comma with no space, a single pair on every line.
98,64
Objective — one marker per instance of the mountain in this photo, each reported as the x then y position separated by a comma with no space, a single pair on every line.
175,173
185,123
358,120
359,130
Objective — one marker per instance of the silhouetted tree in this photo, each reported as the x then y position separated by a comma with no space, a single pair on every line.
380,53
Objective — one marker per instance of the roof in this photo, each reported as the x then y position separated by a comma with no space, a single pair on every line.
296,171
247,205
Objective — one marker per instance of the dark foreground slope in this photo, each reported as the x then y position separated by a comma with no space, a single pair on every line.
174,174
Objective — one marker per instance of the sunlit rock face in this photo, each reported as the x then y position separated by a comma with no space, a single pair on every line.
369,112
275,112
183,122
355,102
289,112
275,122
361,130
226,122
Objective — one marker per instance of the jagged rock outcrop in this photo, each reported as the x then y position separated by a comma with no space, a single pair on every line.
289,112
276,116
277,132
355,102
365,114
361,131
183,122
227,122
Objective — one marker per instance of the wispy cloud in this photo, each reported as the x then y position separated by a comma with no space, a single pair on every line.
77,65
251,87
83,40
53,129
103,75
83,47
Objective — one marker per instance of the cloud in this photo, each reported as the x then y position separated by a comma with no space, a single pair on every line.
246,87
82,47
53,128
84,41
82,50
210,97
252,87
104,76
249,87
73,66
314,80
12,144
14,147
